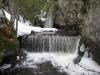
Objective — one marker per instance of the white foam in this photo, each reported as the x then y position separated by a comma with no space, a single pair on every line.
64,63
88,63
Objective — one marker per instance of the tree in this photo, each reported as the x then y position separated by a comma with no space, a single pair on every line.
31,8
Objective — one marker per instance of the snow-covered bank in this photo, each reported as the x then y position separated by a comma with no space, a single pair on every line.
26,28
64,63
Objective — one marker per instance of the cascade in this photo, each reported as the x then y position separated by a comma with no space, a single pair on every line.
49,43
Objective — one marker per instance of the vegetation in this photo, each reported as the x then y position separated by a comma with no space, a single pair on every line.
8,39
29,9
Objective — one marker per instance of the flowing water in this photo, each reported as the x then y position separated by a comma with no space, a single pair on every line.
50,43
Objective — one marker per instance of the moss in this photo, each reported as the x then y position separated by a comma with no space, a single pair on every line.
8,39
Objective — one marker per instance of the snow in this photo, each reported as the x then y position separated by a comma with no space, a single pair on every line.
41,16
8,16
26,28
64,63
82,48
43,19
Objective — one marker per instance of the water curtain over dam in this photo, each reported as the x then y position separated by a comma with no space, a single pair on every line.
50,43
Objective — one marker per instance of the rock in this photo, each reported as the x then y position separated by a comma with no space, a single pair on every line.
33,32
68,16
2,14
77,60
91,27
80,17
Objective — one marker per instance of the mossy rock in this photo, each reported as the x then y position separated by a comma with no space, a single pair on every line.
8,38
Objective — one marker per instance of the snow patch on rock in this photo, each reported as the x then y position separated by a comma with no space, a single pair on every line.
8,16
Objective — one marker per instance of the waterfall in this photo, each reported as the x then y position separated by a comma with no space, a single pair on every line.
49,20
50,43
60,52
